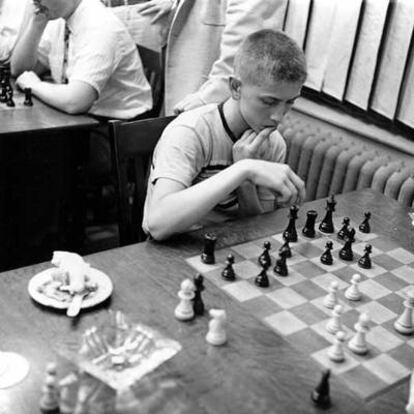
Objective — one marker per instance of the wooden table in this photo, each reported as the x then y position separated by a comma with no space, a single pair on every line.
258,371
41,154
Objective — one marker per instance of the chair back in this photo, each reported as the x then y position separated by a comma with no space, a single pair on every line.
132,145
152,64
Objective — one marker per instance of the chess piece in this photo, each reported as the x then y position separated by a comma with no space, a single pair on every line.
216,334
228,272
264,259
285,247
336,352
262,280
404,324
344,229
334,324
309,229
410,404
281,266
68,393
28,97
331,298
365,227
208,252
198,305
49,400
358,343
290,233
353,293
320,395
346,252
365,260
326,257
184,310
326,225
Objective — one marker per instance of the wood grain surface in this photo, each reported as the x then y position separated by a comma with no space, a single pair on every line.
257,371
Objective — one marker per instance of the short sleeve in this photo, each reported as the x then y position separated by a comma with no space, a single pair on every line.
45,47
179,155
95,59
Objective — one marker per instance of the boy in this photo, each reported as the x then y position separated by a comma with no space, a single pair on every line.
231,154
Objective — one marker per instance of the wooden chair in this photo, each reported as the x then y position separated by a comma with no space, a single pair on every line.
154,73
132,146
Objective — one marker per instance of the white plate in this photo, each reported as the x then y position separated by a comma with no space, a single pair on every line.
102,293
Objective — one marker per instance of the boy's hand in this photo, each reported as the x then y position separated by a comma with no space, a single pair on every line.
157,7
252,145
280,179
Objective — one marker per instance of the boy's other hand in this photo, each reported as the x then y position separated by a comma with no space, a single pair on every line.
157,7
279,178
252,145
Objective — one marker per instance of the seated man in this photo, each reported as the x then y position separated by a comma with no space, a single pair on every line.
93,60
231,154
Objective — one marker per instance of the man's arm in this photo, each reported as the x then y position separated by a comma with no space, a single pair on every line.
24,55
175,208
242,18
73,98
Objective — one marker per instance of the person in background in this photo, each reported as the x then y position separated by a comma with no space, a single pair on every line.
93,61
11,17
202,41
227,158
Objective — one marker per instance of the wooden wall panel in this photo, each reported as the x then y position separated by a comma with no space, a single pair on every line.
297,20
406,110
341,46
319,33
393,61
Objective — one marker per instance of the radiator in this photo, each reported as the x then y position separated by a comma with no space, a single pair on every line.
331,164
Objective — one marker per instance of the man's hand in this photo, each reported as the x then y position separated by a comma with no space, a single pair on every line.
252,145
40,9
157,7
27,80
189,102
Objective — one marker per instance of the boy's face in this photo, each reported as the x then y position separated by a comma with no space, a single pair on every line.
263,106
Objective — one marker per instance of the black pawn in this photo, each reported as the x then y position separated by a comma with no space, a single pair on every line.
326,257
262,280
28,97
309,229
344,229
264,259
208,252
290,232
365,260
280,266
320,395
228,272
326,225
198,304
346,252
286,248
365,227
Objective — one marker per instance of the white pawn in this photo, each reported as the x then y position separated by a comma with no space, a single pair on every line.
358,343
404,324
410,404
334,324
49,400
331,298
336,352
353,292
216,334
184,310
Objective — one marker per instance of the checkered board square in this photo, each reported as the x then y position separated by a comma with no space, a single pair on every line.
293,305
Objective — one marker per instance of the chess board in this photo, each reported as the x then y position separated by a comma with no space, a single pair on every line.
293,305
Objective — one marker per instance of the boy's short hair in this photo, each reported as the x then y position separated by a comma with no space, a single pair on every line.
269,54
